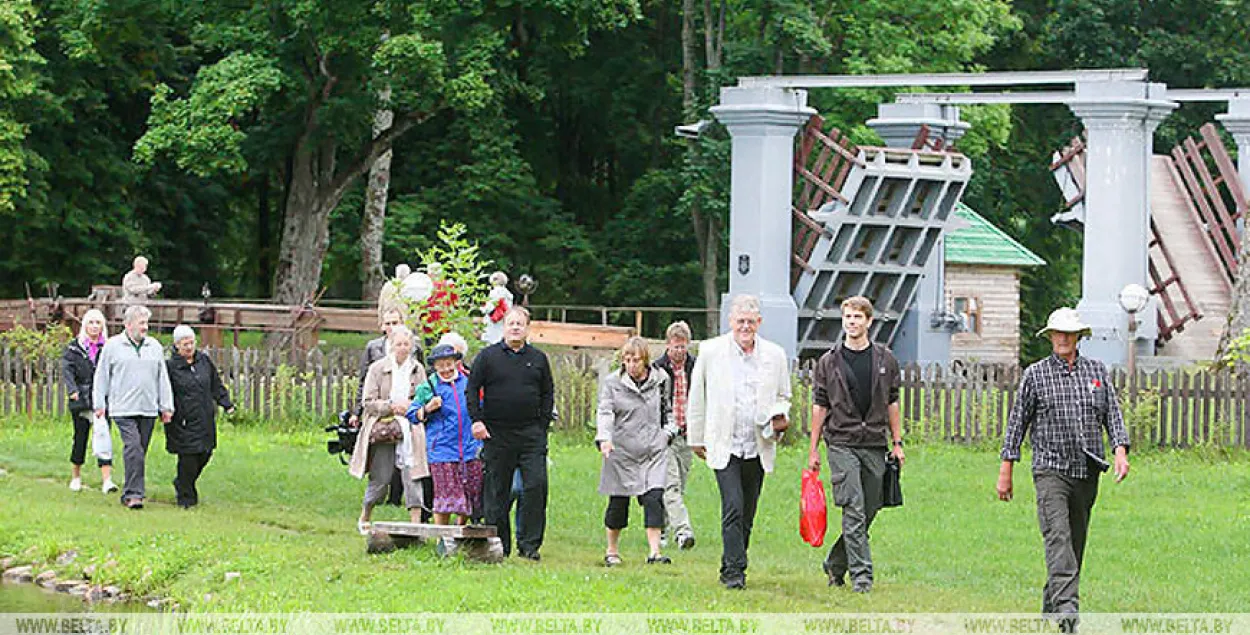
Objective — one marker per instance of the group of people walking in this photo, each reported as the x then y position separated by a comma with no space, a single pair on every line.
464,444
127,379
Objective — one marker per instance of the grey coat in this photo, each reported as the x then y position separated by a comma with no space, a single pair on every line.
636,421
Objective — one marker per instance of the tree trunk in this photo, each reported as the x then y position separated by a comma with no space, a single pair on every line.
689,56
1239,310
373,225
306,226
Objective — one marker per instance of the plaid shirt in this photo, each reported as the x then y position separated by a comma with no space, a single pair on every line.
681,394
1067,409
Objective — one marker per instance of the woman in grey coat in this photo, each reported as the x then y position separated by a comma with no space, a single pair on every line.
633,433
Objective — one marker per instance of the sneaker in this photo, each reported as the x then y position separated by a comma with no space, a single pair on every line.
133,503
108,487
735,584
531,555
685,541
75,485
862,587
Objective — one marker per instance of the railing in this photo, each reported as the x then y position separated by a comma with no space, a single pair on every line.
615,315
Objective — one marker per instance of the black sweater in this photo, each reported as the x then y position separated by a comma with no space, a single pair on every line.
516,387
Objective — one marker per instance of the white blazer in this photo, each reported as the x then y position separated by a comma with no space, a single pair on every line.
710,419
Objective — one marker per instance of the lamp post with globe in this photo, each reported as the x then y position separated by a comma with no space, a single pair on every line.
526,284
1133,298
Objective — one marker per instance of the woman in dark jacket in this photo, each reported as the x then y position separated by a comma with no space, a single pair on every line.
192,432
77,373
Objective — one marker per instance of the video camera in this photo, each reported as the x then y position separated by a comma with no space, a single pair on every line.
346,437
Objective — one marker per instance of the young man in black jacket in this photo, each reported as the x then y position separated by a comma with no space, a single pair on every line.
512,417
855,409
678,363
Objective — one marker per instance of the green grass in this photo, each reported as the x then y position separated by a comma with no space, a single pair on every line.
280,511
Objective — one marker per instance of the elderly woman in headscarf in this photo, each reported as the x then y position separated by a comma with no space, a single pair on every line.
191,434
78,373
387,440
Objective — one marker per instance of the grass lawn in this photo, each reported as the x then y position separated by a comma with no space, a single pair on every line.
281,512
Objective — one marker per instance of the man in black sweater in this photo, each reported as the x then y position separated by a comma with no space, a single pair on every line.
512,417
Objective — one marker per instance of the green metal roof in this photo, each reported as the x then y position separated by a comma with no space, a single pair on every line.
979,242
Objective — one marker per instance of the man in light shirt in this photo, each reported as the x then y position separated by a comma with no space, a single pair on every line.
132,386
739,406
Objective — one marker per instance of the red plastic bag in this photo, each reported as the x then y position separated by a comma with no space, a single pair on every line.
812,514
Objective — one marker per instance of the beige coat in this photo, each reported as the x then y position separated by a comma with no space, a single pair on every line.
710,418
376,404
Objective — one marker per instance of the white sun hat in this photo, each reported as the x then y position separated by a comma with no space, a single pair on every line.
1066,320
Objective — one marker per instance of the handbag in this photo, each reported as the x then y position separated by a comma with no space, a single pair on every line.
891,488
386,431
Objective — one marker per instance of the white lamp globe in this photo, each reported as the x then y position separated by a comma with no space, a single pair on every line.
1133,298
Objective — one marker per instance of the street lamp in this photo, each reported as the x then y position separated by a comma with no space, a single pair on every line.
1133,298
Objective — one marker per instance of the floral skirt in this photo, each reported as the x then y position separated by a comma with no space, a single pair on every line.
458,488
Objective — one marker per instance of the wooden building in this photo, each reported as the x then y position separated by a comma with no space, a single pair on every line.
982,282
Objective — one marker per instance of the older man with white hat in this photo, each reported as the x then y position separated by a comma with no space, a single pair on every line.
1066,402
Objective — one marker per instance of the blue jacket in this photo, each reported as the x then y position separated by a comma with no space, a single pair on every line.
448,430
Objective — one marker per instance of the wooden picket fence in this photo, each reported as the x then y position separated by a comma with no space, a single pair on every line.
275,384
961,404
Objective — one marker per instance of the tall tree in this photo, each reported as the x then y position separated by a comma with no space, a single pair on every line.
19,67
296,86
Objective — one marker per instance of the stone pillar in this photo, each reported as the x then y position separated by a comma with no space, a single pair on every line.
1119,120
1237,122
763,122
898,124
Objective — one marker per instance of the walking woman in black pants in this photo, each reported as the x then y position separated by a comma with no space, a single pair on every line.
192,432
78,373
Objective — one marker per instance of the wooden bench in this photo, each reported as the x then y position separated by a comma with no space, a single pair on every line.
476,542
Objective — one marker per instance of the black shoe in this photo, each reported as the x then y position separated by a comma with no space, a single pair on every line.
685,542
835,579
862,587
528,555
659,559
735,584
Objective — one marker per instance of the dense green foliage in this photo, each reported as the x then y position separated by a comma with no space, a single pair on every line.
226,140
275,508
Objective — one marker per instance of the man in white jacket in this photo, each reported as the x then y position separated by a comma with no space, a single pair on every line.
739,404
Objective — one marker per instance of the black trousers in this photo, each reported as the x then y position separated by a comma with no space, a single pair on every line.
503,454
190,466
652,501
739,483
82,434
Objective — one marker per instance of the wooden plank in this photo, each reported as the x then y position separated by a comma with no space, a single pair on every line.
1207,217
1228,172
1245,412
579,335
424,530
1168,429
1224,218
1202,409
948,390
1181,435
